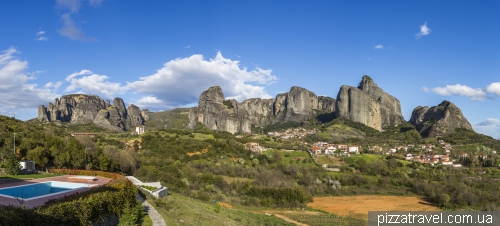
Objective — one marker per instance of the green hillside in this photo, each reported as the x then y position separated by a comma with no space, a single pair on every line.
177,118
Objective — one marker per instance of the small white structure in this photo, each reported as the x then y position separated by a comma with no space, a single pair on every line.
139,129
354,149
159,192
27,165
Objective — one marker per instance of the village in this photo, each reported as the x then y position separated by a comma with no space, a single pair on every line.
440,153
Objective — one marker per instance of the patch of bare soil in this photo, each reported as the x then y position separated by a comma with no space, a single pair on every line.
223,204
360,205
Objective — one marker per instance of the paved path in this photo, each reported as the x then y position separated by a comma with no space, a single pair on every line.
153,214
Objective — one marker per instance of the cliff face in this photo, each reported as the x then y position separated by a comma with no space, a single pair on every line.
298,105
82,109
438,120
368,104
214,114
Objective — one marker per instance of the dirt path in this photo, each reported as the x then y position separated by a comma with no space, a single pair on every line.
289,220
279,214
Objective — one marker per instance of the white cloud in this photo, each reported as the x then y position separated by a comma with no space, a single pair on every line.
95,3
490,127
494,88
53,85
40,36
425,89
379,47
70,28
72,5
424,30
477,94
15,92
148,101
71,31
181,81
87,81
187,47
489,122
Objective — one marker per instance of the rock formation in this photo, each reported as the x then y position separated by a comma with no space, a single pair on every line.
438,120
298,105
82,109
368,104
216,115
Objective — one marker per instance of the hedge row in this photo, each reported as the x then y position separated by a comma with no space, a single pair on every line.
113,176
94,205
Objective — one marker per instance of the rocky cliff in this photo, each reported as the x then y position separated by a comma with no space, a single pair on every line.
298,105
217,115
82,109
438,120
368,104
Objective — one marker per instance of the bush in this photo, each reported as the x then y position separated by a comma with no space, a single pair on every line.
12,166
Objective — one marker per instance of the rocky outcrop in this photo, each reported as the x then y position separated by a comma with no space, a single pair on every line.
298,105
145,114
134,116
217,115
438,120
82,109
368,104
259,111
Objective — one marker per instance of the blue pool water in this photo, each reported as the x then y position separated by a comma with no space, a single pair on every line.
39,189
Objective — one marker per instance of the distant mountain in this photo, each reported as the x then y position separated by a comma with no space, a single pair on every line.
297,105
83,109
368,104
439,120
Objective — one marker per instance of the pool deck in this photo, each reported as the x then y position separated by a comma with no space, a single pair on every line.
38,202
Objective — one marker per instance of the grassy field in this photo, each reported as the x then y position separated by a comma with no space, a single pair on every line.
367,157
297,157
180,210
320,218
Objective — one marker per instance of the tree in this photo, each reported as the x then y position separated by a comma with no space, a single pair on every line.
12,166
444,199
40,155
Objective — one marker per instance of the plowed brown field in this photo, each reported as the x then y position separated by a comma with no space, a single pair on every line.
360,205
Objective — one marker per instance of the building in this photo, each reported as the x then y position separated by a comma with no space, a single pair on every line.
139,129
83,134
27,165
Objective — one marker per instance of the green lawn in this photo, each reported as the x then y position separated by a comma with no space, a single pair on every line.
29,176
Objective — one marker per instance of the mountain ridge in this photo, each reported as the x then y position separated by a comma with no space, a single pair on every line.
84,108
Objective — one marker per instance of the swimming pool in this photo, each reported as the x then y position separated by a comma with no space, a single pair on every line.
39,190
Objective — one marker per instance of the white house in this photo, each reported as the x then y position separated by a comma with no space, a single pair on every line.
448,163
354,149
330,150
139,129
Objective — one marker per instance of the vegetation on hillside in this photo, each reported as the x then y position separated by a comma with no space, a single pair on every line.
205,165
177,118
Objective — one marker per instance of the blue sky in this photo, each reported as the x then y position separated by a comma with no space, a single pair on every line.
163,54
